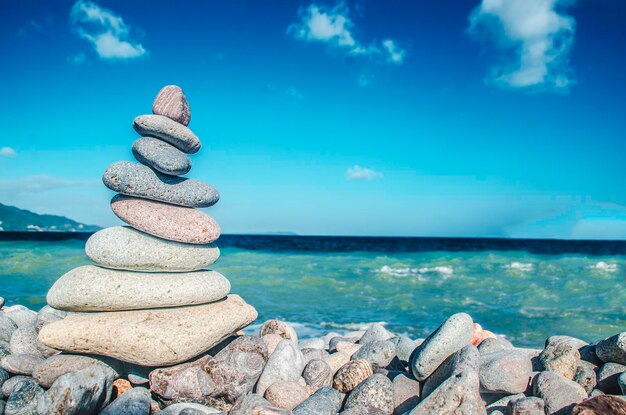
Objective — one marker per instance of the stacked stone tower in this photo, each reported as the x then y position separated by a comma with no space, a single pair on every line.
149,298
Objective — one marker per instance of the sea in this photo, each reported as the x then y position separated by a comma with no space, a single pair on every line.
525,290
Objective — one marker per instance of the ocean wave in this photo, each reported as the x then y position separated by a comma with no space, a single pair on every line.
352,326
520,266
405,272
604,266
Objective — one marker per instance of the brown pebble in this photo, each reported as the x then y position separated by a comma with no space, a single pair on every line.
350,375
172,103
601,405
120,386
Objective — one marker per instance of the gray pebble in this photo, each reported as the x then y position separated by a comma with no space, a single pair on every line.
286,364
56,366
317,373
506,371
586,375
608,374
7,327
457,395
362,410
378,353
314,343
311,354
621,381
560,357
332,343
559,394
21,364
404,347
613,349
490,345
375,391
23,399
161,156
185,408
23,318
375,332
588,353
137,180
24,341
49,315
326,401
168,130
246,403
9,384
406,393
526,406
465,360
2,403
4,375
135,401
454,334
499,406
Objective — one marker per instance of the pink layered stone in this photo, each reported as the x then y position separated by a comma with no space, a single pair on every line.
175,223
172,103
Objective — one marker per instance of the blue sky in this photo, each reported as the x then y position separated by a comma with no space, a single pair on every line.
418,118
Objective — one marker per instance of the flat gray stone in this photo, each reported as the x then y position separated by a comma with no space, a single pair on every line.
559,394
285,364
23,399
161,156
85,391
378,353
57,366
465,360
135,401
506,371
91,288
21,364
172,103
326,401
129,249
375,391
167,130
406,393
133,179
159,337
607,377
613,349
454,334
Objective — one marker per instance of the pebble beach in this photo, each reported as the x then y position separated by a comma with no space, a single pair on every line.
147,326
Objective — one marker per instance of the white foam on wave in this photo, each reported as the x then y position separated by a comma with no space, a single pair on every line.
405,272
520,266
605,267
352,326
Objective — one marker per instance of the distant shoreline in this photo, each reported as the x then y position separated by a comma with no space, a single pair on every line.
278,243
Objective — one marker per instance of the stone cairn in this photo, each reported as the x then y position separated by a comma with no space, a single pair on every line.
149,299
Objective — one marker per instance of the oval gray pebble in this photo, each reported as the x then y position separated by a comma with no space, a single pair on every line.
168,130
161,156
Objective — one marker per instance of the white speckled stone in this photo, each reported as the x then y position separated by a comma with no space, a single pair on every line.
129,249
168,130
91,288
160,337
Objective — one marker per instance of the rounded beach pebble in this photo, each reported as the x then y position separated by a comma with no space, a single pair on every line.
174,223
167,130
351,374
161,156
134,179
91,288
613,349
376,391
172,103
454,334
122,247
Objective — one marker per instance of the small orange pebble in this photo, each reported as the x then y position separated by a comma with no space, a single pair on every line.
488,335
120,386
477,336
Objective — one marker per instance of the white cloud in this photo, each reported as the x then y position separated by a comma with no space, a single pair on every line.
395,54
540,36
357,172
106,31
41,183
334,27
7,152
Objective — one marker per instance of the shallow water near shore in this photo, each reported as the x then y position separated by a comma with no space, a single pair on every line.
525,296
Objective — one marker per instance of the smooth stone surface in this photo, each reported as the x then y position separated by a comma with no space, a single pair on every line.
286,395
352,374
336,360
49,315
91,288
375,391
317,374
560,357
122,247
457,395
314,343
271,340
281,328
7,327
23,318
526,406
4,376
406,393
134,179
378,353
21,364
174,223
375,332
189,409
11,383
23,399
82,392
586,375
247,403
159,337
494,344
172,103
136,401
465,360
613,349
167,130
559,394
285,364
607,377
326,401
454,334
187,382
24,341
56,366
506,371
161,156
404,349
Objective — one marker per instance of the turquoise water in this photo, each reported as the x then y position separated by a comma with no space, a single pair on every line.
525,296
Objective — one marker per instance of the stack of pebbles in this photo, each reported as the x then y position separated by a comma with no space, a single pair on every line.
149,299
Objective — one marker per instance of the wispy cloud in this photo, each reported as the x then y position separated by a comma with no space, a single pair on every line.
333,27
541,37
357,172
7,152
105,30
41,183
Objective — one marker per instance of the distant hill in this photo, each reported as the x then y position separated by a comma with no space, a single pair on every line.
15,219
